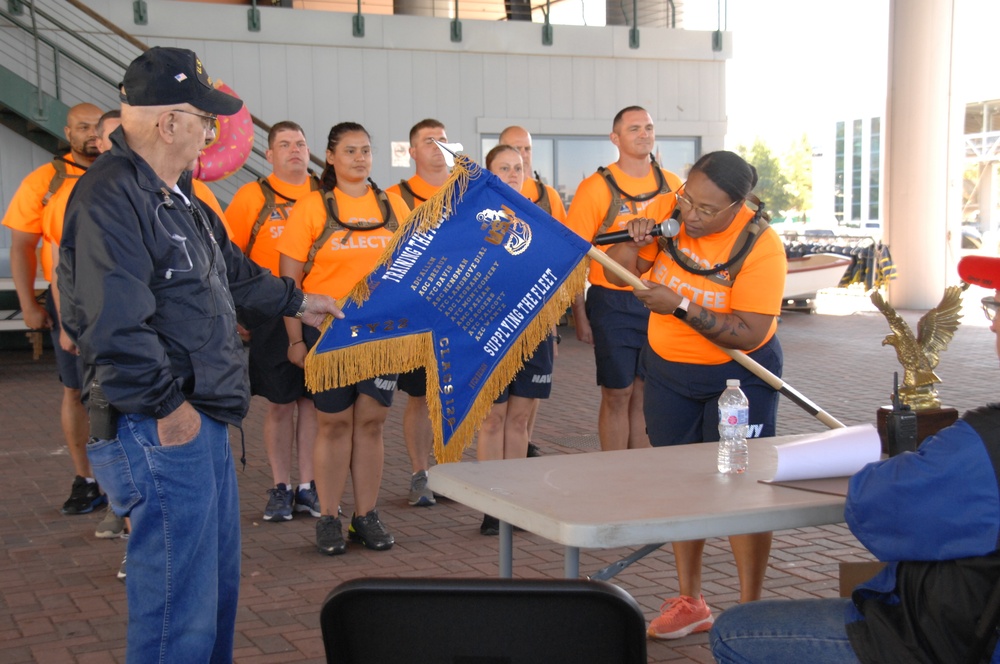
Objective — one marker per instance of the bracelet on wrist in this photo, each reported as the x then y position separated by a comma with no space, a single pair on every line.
295,342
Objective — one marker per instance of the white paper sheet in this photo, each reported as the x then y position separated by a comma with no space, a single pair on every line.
833,453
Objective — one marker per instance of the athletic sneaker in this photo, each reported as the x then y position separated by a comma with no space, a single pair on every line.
279,504
111,526
490,526
121,570
368,529
330,536
534,450
420,495
306,500
681,616
83,497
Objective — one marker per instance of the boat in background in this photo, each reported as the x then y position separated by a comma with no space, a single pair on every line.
809,274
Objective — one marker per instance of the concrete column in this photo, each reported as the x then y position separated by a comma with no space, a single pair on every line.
985,198
919,130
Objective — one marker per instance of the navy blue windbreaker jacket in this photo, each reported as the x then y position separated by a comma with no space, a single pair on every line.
934,516
150,287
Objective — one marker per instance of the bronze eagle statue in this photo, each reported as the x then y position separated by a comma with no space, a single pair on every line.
920,355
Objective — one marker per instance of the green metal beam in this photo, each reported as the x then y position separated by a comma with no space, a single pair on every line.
19,111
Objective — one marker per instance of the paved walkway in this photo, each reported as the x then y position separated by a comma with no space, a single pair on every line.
60,600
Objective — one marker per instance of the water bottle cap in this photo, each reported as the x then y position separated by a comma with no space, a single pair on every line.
733,382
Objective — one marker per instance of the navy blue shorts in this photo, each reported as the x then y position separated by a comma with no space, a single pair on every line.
534,380
414,382
70,367
681,401
272,376
619,322
339,399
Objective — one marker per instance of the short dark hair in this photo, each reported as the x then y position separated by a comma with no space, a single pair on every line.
729,172
426,123
621,114
284,125
114,114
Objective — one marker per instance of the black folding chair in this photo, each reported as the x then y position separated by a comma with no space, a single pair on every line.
482,621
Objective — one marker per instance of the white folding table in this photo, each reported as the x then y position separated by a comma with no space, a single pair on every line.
631,497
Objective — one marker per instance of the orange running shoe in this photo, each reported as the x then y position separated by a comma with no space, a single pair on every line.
681,616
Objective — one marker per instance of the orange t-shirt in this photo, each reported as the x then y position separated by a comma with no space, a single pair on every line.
530,191
246,206
590,207
54,215
348,255
206,196
422,190
26,208
757,289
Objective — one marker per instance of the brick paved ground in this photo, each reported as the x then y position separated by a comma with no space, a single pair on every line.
60,601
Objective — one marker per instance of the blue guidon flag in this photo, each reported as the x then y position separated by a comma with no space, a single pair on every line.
470,285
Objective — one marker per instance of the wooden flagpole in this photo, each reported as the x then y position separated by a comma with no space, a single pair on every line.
747,362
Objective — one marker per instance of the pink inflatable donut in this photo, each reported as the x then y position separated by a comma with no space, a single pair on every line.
231,147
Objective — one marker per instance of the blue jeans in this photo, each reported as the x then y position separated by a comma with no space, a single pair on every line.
184,551
770,631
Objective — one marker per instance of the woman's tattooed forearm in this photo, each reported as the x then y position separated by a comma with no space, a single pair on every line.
712,326
703,322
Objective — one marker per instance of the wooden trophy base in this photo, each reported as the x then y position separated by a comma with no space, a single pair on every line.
929,422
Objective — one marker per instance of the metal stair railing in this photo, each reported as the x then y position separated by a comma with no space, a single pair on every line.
81,57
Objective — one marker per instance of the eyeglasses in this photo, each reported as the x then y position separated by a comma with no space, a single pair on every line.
207,120
990,307
703,213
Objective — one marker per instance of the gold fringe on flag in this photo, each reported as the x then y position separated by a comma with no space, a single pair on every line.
401,354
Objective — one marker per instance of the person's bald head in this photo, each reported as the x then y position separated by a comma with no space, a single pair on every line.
81,132
519,138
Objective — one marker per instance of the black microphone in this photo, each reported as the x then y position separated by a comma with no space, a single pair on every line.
667,228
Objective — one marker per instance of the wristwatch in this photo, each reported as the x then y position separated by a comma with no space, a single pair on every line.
302,307
682,309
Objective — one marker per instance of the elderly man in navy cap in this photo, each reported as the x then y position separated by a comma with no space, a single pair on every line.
934,516
150,289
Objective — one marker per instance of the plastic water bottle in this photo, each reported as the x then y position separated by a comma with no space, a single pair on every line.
734,416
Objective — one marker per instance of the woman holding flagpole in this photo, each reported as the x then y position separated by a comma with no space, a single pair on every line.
718,283
505,433
332,240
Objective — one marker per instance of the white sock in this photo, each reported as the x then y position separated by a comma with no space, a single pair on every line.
304,486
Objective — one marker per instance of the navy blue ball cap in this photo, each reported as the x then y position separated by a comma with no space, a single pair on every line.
162,76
